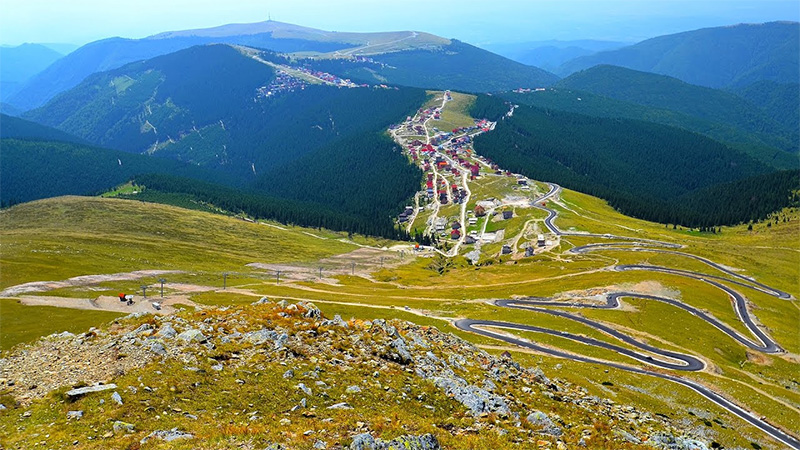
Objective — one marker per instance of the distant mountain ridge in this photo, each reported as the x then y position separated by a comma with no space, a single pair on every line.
728,56
18,64
115,52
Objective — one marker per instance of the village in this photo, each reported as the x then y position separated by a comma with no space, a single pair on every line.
468,206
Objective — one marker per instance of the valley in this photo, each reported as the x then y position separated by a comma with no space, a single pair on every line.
563,282
267,236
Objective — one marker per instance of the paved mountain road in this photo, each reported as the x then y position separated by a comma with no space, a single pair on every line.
665,359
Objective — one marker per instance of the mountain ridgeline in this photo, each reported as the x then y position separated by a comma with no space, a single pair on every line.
201,107
458,66
718,57
645,170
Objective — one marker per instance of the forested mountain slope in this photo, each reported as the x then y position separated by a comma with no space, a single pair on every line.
210,106
780,101
669,93
587,103
716,57
643,169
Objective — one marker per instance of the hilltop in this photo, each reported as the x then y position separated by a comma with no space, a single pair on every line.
301,381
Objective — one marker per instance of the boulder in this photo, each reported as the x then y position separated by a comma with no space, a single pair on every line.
116,398
74,415
478,400
88,389
166,331
192,335
167,435
365,441
120,427
544,421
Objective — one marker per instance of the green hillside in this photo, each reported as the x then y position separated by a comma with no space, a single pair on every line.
16,128
582,102
458,66
780,101
645,170
716,57
34,169
202,106
665,92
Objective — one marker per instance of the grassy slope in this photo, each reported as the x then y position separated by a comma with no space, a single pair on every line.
59,238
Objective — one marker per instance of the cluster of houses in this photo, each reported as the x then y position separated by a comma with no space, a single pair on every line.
406,215
329,78
526,90
283,82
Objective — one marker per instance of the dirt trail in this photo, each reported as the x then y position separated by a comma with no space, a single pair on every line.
83,280
108,303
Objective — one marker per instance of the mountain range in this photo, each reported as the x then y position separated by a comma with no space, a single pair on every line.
715,57
286,38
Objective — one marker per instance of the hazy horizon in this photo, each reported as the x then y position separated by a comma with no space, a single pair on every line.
84,21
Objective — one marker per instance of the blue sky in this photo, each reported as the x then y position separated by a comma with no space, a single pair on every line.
479,22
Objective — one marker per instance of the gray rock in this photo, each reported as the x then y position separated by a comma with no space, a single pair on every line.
628,437
264,335
192,335
275,447
542,420
74,415
353,390
166,331
288,374
342,405
304,388
88,389
116,398
408,442
142,328
321,445
478,400
120,427
401,354
157,348
363,441
167,435
218,367
262,301
664,441
335,322
2,407
312,312
283,303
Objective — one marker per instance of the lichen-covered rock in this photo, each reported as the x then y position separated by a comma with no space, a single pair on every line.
477,400
192,335
664,441
167,435
543,421
365,441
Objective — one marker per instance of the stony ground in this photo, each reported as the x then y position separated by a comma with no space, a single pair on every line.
281,375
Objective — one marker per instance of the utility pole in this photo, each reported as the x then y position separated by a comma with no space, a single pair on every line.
162,280
320,272
224,280
354,268
144,290
381,262
279,278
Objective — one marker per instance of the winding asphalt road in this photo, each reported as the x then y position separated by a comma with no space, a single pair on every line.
665,359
